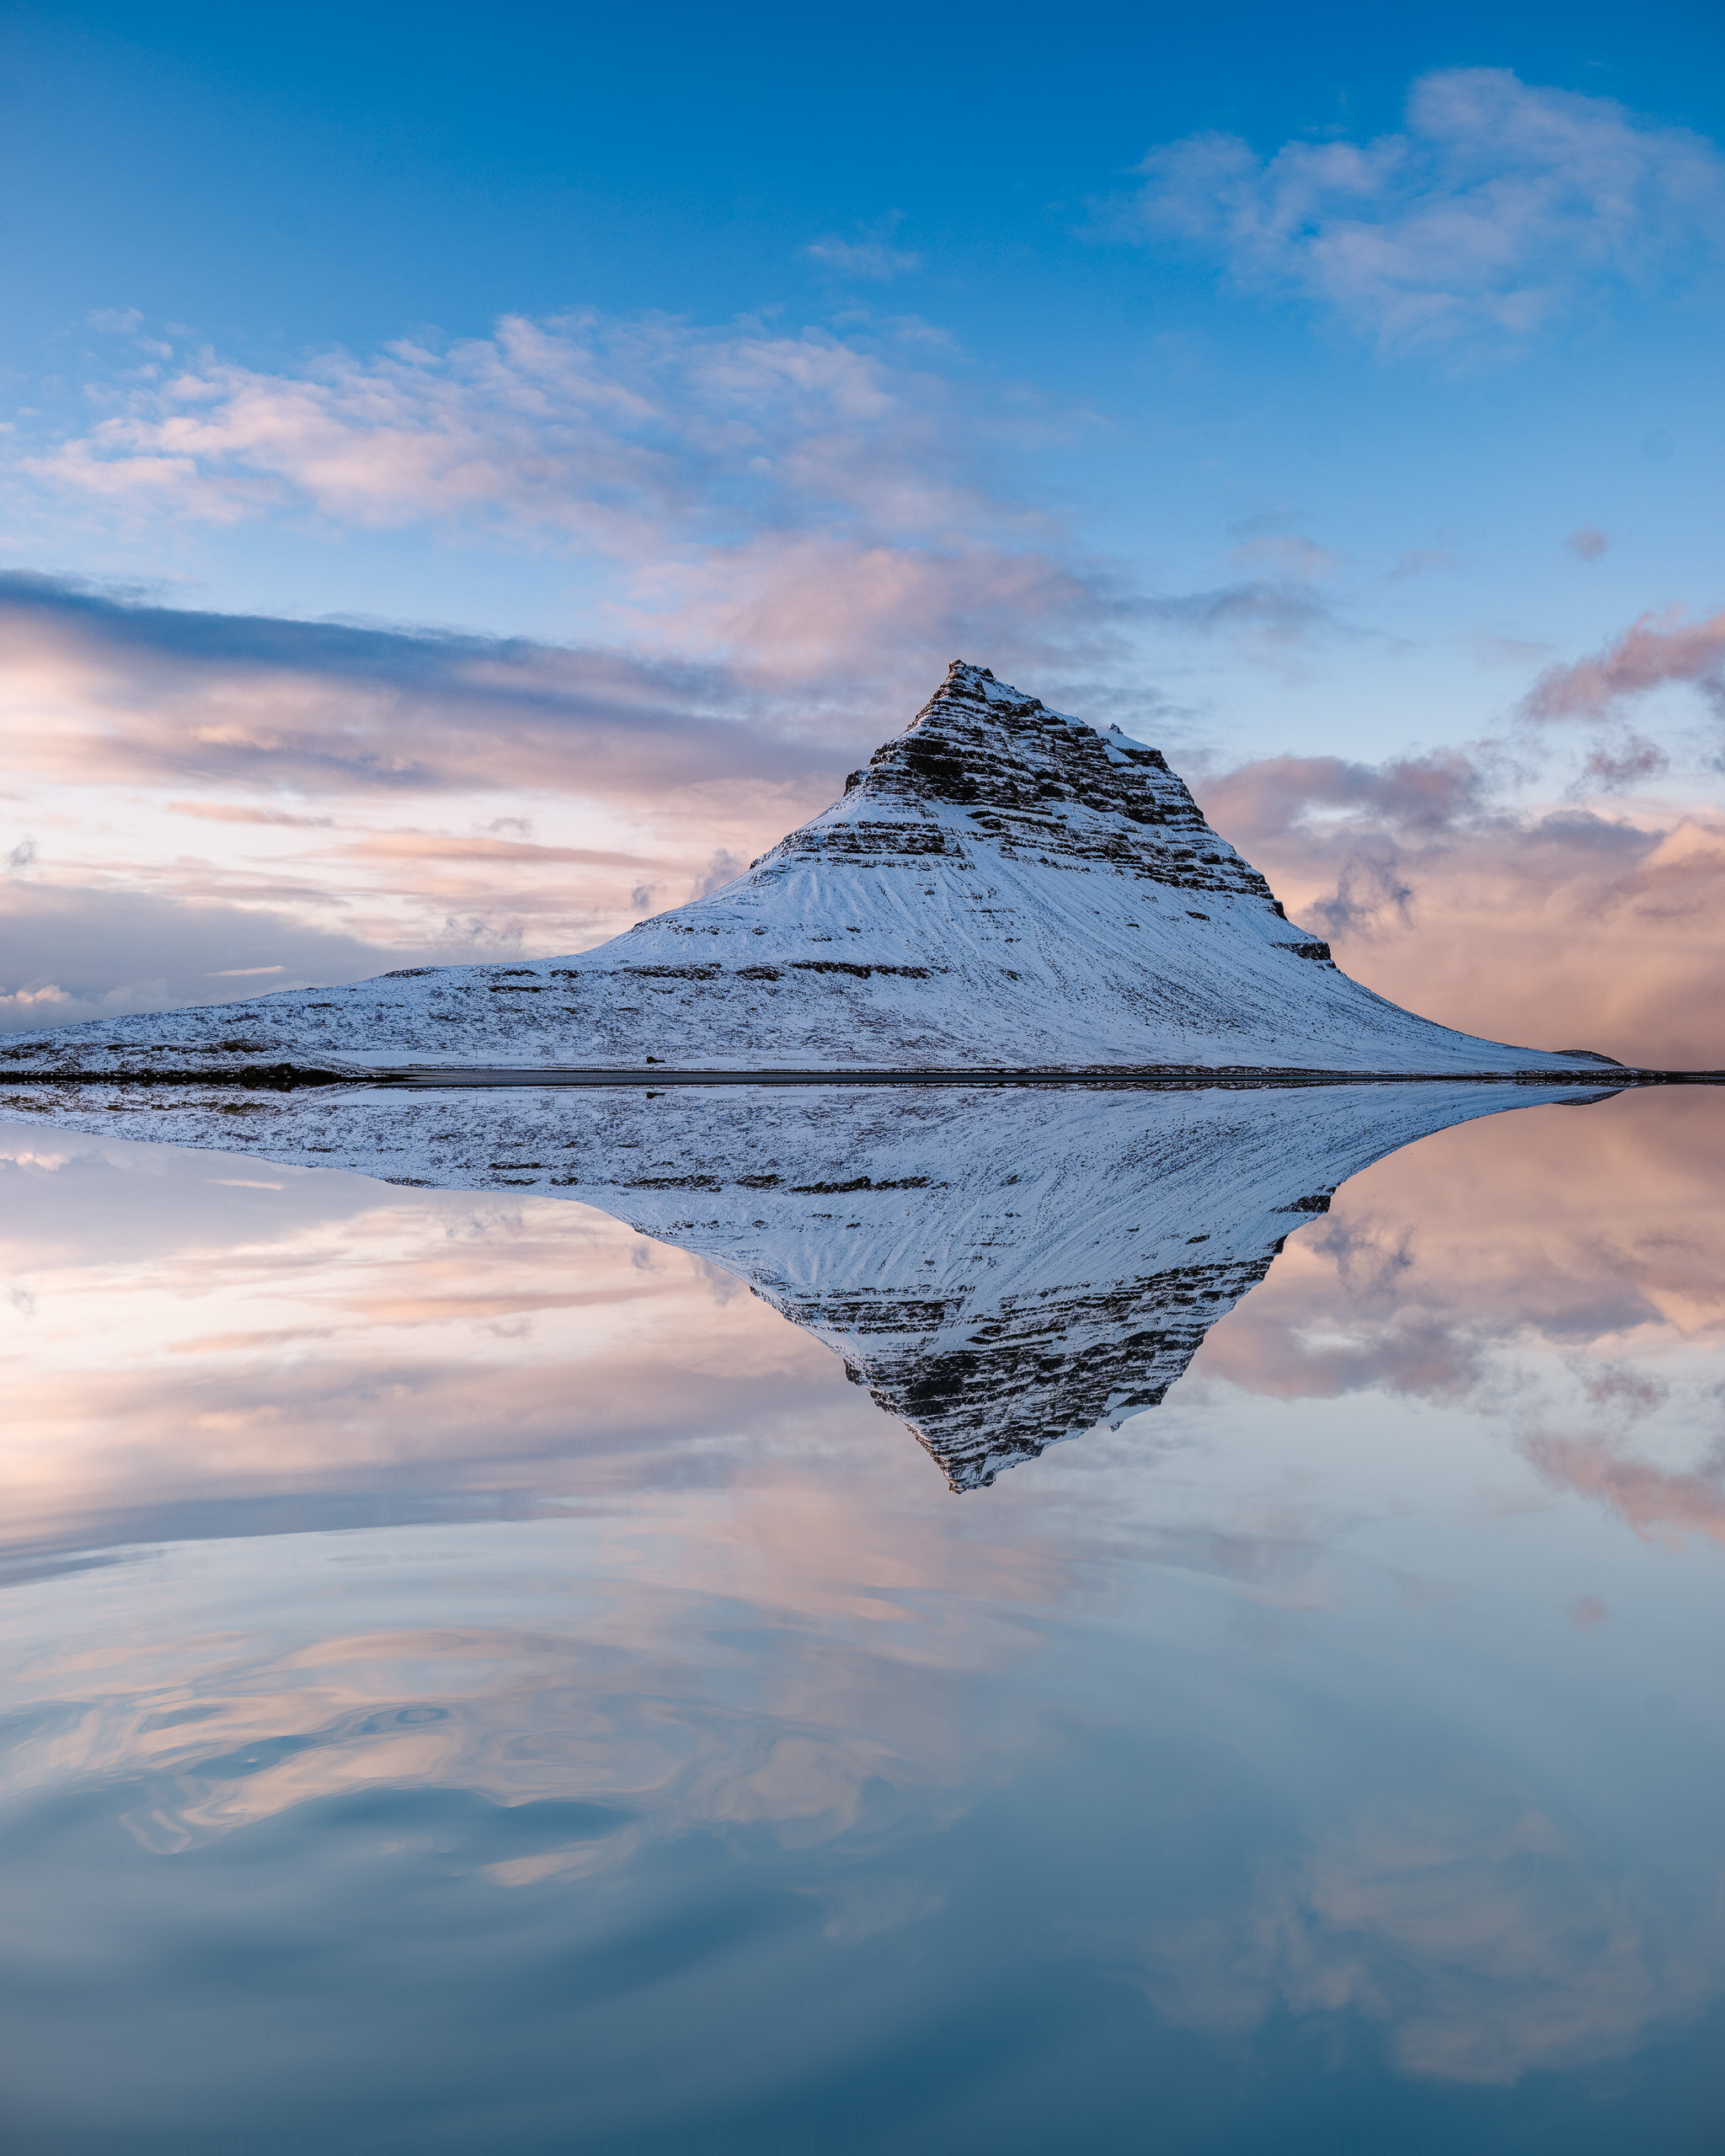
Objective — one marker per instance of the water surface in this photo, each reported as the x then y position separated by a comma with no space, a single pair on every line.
477,1678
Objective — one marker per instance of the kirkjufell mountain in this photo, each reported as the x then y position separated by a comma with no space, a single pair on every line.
1000,887
1000,1267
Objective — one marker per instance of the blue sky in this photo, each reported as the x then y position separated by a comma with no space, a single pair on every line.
1302,387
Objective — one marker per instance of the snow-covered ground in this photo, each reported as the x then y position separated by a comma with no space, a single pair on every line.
1002,887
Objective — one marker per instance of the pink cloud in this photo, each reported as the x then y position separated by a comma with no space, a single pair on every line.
1656,649
792,505
630,440
1570,929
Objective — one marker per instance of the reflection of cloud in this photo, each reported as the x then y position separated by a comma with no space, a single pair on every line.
1655,1501
986,1280
1499,215
1488,1941
299,1347
1436,1265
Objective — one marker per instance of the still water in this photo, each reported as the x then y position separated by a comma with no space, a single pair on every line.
474,1678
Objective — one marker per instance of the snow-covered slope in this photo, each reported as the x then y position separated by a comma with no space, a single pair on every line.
1000,887
1001,1268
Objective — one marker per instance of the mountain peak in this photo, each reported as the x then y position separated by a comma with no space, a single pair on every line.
1037,784
1000,887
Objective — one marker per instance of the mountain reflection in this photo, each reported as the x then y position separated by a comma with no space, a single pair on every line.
1001,1267
1003,1270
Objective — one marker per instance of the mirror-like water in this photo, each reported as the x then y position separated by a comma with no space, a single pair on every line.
476,1678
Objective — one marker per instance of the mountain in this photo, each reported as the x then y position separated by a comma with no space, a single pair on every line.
1002,1266
1000,887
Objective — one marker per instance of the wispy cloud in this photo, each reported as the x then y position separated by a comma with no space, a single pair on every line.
793,504
871,254
1498,214
1264,615
1656,649
621,437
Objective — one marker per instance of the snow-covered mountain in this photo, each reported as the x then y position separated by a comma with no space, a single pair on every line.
1002,1266
1000,887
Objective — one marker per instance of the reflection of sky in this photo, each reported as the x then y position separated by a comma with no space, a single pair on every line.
636,1741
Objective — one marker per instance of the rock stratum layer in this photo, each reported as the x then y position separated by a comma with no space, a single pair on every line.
1000,888
1001,1267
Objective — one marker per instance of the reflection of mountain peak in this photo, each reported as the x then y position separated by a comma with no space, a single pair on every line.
1002,1266
1003,1269
1036,1368
1000,887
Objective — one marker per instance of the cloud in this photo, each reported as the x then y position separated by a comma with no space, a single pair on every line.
78,953
228,812
1616,768
627,439
121,720
1425,793
781,503
1586,543
1563,929
870,256
639,769
1657,649
95,687
1290,555
1264,614
1499,215
795,610
1415,561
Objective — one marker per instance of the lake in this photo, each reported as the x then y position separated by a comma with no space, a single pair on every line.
477,1678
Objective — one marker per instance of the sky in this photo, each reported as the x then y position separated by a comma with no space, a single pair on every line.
466,486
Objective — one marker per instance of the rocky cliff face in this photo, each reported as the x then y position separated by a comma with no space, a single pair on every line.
1000,888
1001,1268
1029,785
